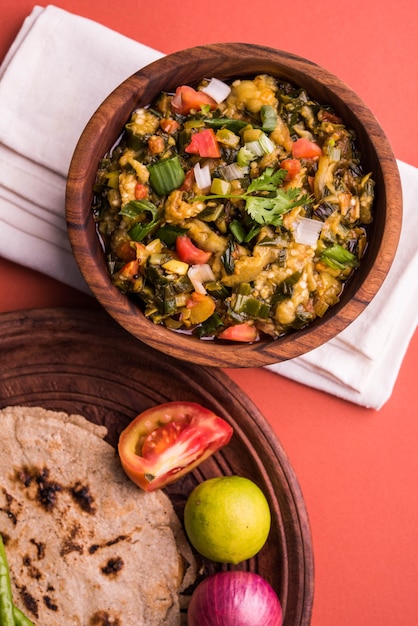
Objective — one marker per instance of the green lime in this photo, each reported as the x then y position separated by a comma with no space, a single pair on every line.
227,519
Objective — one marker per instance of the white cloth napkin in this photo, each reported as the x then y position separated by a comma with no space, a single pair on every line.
59,69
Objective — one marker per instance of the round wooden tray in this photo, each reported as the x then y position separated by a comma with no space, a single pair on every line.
81,361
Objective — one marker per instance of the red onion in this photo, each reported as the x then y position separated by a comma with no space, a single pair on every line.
234,599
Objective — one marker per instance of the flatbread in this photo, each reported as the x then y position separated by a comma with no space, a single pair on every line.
86,547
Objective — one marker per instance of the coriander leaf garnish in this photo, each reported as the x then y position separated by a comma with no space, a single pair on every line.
262,208
268,180
136,207
266,210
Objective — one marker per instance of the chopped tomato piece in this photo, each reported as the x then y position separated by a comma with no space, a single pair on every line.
304,149
188,181
240,332
169,126
292,166
186,98
169,440
130,270
141,191
205,144
189,253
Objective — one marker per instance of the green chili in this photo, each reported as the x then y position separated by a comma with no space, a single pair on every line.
6,598
20,618
10,615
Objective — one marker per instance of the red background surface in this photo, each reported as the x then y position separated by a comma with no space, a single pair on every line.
358,468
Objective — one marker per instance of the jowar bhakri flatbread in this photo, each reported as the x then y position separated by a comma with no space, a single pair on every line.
85,546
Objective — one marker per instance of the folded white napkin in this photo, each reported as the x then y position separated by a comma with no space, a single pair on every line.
59,69
57,72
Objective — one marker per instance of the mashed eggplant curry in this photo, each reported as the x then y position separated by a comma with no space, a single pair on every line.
234,211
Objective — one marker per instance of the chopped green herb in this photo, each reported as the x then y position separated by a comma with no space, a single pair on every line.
208,327
136,207
237,229
338,257
228,257
133,209
225,122
169,233
267,209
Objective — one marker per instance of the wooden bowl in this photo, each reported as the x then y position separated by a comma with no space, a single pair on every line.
84,362
226,61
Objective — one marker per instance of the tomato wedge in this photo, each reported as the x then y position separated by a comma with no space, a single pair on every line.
186,98
189,253
205,144
305,149
169,440
292,166
240,332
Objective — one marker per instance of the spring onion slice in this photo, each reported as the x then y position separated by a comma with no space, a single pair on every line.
232,171
307,231
255,148
217,89
268,118
267,145
338,257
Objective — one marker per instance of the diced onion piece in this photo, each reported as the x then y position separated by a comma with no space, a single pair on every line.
199,274
217,89
307,231
232,171
202,176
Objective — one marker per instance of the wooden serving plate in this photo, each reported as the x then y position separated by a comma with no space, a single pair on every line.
81,361
227,61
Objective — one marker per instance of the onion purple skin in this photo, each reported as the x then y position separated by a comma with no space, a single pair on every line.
234,598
